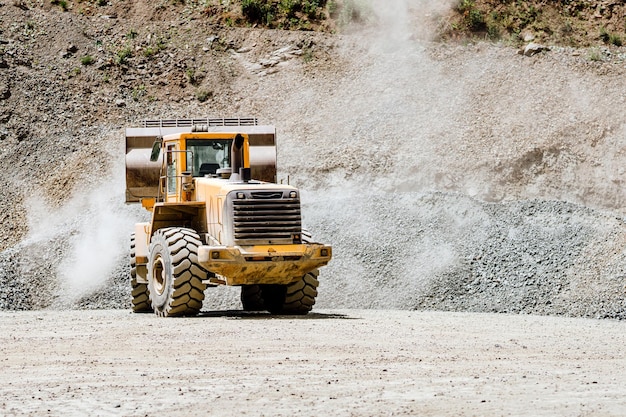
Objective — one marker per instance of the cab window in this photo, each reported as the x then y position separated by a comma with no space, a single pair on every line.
208,156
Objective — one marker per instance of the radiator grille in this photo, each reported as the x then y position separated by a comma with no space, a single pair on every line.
267,217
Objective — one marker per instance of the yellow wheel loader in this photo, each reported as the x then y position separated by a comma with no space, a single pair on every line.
218,218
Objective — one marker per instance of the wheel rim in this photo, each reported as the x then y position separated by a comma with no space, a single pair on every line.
158,275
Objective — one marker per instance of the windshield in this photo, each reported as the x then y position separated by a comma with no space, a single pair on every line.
208,155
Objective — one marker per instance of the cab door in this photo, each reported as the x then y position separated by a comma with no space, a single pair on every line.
172,156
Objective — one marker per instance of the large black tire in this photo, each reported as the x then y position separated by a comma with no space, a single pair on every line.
251,298
174,275
140,297
295,298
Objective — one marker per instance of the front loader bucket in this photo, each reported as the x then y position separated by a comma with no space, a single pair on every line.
142,175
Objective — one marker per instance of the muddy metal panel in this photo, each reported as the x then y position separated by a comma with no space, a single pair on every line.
142,175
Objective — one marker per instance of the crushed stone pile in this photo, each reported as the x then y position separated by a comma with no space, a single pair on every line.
439,251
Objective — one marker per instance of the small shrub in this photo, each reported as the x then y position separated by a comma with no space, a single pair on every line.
138,92
307,54
610,38
311,8
123,55
191,76
161,44
615,39
149,52
567,29
60,3
86,60
332,7
203,95
604,35
132,34
493,32
254,10
465,6
289,7
475,20
595,55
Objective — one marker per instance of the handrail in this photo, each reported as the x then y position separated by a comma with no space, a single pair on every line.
216,121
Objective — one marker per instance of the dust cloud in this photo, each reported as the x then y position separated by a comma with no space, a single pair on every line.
394,160
90,232
100,238
370,192
385,119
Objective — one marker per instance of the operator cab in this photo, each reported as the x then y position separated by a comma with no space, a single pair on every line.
208,157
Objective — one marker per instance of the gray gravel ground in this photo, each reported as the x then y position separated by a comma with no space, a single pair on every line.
348,363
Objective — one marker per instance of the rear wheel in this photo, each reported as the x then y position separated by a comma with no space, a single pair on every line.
174,275
295,298
251,298
139,292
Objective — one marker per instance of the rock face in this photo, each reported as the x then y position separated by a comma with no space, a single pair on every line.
454,177
534,48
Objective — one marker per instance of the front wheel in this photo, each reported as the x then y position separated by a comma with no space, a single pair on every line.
174,275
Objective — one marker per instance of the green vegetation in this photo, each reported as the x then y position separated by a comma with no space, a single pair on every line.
285,14
615,39
191,76
573,23
307,54
150,52
87,60
473,18
577,23
604,34
60,3
610,38
132,34
511,18
123,55
139,92
203,95
595,55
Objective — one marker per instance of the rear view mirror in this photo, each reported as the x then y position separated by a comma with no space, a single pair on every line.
156,150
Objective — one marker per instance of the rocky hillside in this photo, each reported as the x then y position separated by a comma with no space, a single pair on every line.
574,23
447,175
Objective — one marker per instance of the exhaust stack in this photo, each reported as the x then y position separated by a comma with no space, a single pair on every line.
238,158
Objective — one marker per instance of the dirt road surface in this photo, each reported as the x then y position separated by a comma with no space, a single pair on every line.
332,362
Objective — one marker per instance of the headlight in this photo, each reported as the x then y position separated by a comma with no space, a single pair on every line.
241,195
293,194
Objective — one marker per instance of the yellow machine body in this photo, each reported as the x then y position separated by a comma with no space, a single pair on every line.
250,229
